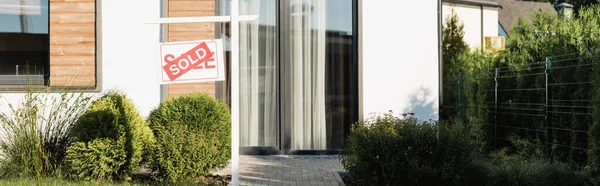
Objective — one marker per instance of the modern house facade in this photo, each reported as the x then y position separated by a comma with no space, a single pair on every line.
308,68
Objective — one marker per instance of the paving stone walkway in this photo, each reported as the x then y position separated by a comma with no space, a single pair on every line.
289,170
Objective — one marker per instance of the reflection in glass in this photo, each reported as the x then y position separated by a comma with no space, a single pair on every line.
24,38
258,74
323,74
308,75
341,79
320,79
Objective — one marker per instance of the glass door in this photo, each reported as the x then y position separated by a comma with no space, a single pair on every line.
298,73
259,73
321,73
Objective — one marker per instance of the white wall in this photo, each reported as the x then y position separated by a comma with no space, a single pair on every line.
471,17
490,21
126,51
400,57
129,50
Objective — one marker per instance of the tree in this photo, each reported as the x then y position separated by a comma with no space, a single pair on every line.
453,48
453,43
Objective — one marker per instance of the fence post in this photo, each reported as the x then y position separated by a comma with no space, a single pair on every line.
548,115
496,84
460,97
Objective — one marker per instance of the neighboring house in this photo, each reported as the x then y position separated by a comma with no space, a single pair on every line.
479,17
512,10
564,9
308,70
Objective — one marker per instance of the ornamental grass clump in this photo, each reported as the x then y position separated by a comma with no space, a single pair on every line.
35,131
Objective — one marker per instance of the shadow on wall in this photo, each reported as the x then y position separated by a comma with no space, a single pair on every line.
422,104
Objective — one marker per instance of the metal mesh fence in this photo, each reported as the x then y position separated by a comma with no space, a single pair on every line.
547,101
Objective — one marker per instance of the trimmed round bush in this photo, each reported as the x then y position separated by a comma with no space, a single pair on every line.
193,137
99,159
390,151
114,117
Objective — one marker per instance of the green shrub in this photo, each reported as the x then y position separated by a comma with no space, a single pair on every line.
513,170
99,159
193,137
594,130
114,117
525,163
388,151
34,132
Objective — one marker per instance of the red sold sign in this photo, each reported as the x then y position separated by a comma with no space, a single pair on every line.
193,58
198,61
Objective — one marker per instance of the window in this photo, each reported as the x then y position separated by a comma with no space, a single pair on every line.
24,41
323,78
501,31
298,73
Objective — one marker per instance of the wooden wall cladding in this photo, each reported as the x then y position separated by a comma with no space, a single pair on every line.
73,43
191,31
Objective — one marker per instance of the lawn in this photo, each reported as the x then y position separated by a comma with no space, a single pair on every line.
54,181
62,182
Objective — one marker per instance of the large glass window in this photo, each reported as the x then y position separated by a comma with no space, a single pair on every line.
259,74
24,41
323,73
298,73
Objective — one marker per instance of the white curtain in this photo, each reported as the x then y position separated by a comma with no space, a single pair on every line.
308,27
258,83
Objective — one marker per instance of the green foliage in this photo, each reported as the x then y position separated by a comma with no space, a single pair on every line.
115,118
97,160
525,163
57,181
514,170
462,69
453,44
388,151
193,137
453,47
574,42
568,45
466,90
35,132
594,132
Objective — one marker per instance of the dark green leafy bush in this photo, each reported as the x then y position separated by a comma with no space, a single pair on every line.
99,159
388,151
594,131
515,170
114,117
193,137
525,163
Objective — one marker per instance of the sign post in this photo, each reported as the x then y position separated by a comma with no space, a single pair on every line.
234,20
